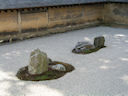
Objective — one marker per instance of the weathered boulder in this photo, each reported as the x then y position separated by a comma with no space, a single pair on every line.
99,42
38,62
58,67
83,46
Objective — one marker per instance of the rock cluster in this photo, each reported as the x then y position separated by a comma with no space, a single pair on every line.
86,47
39,63
43,68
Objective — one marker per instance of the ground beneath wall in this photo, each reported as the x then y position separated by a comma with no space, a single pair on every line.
102,73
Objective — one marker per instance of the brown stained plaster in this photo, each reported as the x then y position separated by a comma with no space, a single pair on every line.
19,21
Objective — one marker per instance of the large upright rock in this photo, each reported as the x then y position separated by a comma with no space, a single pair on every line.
38,62
99,42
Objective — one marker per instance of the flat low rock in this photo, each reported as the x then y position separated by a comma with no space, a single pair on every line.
83,46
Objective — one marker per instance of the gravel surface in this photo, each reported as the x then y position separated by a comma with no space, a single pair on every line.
103,73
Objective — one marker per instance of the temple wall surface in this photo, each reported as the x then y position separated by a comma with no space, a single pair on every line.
33,22
116,13
41,21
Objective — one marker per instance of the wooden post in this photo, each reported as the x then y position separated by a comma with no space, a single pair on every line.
19,24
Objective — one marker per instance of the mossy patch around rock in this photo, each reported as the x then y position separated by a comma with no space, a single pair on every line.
88,51
86,47
51,74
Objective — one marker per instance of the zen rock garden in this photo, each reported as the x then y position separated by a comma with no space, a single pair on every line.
87,47
43,68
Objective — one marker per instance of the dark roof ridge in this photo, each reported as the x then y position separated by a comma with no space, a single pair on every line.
16,4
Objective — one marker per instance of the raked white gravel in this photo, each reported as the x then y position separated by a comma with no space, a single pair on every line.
103,73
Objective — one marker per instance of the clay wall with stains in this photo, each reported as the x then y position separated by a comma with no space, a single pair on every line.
33,22
116,13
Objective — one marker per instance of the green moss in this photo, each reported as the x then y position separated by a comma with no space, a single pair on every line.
45,77
91,50
51,74
88,51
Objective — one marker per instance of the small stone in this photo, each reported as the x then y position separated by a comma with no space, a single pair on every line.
58,67
99,42
38,62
